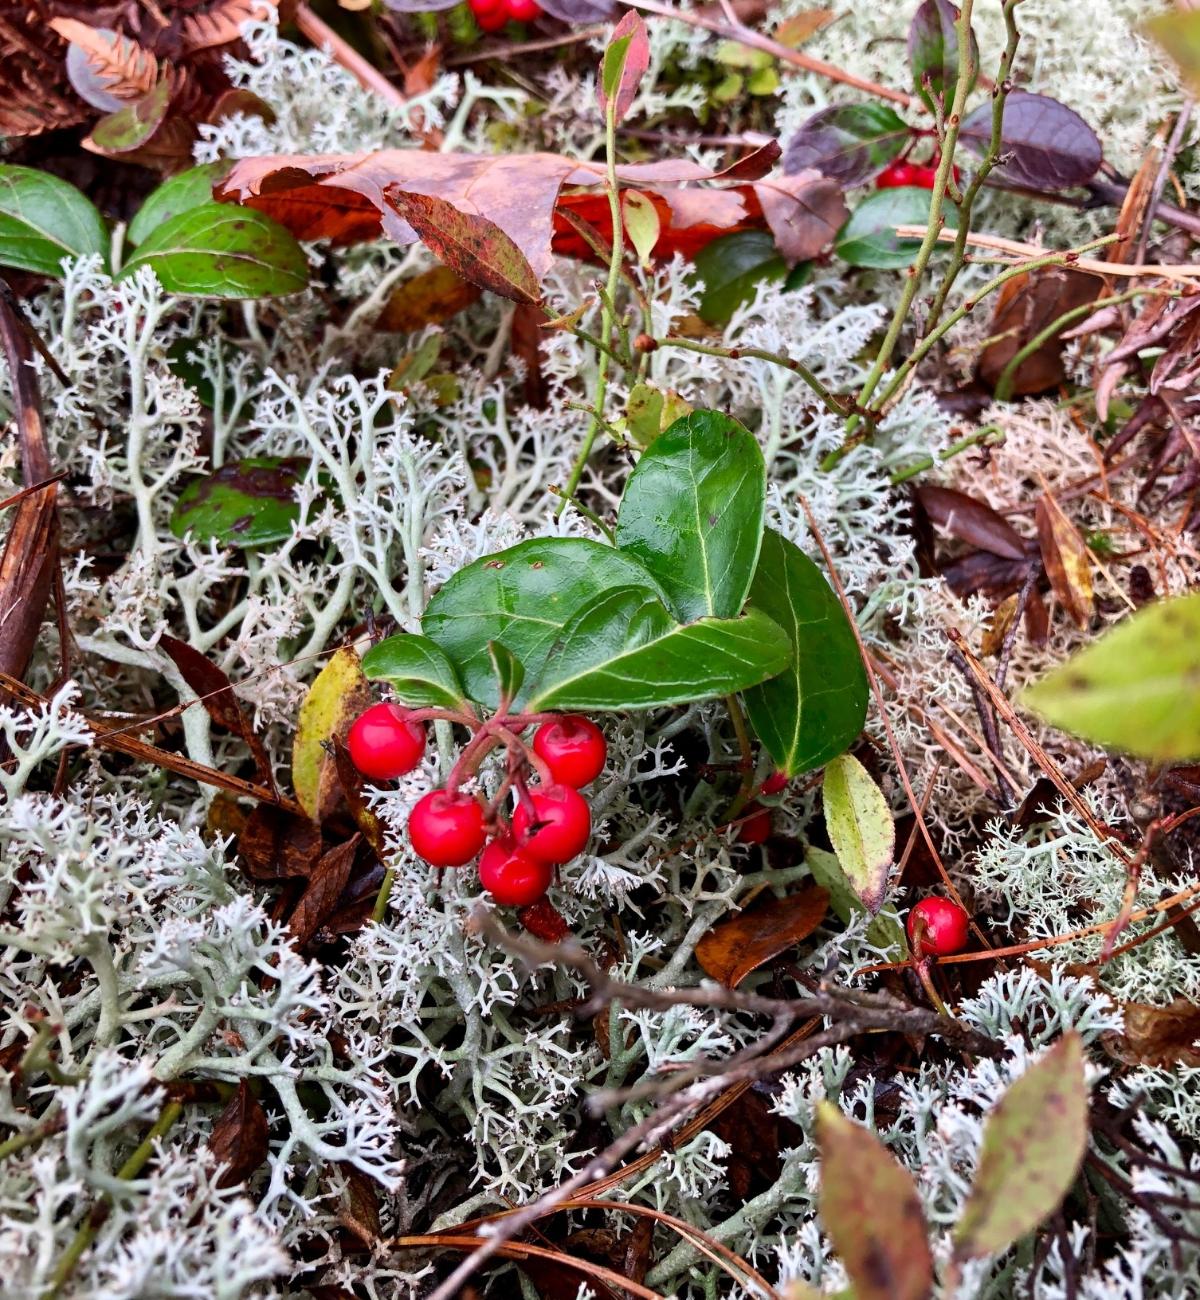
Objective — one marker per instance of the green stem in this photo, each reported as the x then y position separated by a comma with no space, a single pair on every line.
606,313
1004,385
838,405
958,254
966,75
588,513
991,435
745,746
99,1212
379,911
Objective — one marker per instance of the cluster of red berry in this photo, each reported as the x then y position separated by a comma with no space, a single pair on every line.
902,172
448,828
492,15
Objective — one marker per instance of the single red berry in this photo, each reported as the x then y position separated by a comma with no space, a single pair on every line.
895,174
544,921
756,829
446,829
573,749
384,744
776,783
478,7
937,927
491,17
513,877
559,827
524,11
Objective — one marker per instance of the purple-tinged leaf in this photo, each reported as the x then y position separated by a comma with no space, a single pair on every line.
580,11
1046,145
971,521
933,51
849,143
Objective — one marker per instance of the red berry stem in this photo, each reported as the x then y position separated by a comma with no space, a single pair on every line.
535,760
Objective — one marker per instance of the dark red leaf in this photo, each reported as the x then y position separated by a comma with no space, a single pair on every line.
623,65
239,1137
971,521
544,921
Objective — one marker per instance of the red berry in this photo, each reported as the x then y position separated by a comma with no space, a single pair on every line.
776,783
937,927
756,829
492,20
513,877
478,7
573,748
384,744
559,827
524,11
896,174
446,829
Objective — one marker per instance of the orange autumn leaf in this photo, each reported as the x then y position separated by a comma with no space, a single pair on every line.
735,947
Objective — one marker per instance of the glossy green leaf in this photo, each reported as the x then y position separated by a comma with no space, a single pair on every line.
869,238
872,1212
860,828
522,597
246,503
625,651
814,710
418,670
509,670
1033,1145
692,513
43,220
1135,688
220,250
884,931
181,193
731,268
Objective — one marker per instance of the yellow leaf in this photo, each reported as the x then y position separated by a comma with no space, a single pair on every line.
339,694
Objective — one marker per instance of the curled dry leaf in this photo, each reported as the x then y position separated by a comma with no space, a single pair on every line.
274,844
971,521
872,1212
222,23
1159,1037
1066,557
323,891
739,945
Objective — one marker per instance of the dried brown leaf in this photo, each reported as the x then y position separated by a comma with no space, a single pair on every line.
222,23
323,892
1160,1037
736,946
429,298
121,67
277,845
971,521
239,1137
1067,560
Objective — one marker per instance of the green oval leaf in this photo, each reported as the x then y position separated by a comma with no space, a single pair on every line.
813,710
522,597
692,513
850,143
731,267
43,220
418,670
872,1212
884,931
220,250
180,194
510,672
1135,687
1033,1145
624,651
133,126
246,503
860,828
869,238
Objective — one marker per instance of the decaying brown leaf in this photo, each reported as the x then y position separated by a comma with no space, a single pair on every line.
739,945
277,845
239,1137
1066,557
1025,306
1158,1036
430,298
323,892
